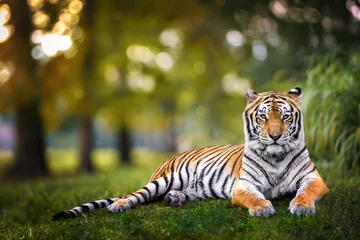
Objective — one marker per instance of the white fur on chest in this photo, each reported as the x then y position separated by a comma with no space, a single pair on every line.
274,179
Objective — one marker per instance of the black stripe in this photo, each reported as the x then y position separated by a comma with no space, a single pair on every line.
233,167
262,159
166,180
109,201
298,120
245,180
146,189
257,187
137,198
232,186
260,168
170,184
217,159
130,201
294,166
189,154
187,197
247,165
224,164
297,184
252,176
252,119
85,208
187,171
248,124
293,160
143,195
156,186
103,204
300,170
213,193
224,186
77,211
72,214
206,154
181,180
96,205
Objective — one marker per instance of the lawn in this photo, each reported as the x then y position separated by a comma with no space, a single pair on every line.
27,208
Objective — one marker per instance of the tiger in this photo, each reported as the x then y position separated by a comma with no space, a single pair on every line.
273,162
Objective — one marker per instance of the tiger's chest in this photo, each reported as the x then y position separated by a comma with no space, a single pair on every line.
279,183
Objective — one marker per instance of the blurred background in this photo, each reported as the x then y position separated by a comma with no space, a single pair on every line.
94,85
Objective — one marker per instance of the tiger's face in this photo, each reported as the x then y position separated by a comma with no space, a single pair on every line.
273,122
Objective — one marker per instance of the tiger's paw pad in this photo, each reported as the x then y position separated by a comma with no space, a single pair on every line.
118,206
265,211
174,198
301,209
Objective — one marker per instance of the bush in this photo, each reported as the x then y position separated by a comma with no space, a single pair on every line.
331,105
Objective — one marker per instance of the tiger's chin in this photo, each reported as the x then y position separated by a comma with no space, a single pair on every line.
274,150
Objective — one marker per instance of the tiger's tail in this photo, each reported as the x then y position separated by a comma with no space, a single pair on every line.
91,206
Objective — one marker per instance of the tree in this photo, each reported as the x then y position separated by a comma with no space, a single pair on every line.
30,143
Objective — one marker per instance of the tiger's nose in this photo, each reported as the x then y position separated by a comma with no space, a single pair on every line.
275,136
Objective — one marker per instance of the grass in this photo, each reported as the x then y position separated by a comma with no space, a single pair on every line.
27,208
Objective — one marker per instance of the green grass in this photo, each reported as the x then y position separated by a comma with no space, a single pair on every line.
27,208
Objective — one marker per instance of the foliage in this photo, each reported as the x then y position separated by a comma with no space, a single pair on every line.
331,106
27,208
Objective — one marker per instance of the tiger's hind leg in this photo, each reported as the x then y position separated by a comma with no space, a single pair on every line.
178,197
175,198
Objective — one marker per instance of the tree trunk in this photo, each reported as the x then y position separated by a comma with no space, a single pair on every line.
124,144
30,145
171,134
86,142
86,115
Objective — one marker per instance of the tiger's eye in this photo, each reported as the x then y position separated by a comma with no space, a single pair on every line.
286,116
263,116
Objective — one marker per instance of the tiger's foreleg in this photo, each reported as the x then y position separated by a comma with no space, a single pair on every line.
311,190
245,194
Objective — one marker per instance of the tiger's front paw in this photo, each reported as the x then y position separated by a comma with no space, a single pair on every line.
119,206
302,208
262,211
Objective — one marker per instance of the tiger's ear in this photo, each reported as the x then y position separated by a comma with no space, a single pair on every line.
295,94
250,95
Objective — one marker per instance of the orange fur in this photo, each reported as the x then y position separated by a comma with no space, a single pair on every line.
248,200
120,202
313,192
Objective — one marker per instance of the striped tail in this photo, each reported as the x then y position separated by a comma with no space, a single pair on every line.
76,211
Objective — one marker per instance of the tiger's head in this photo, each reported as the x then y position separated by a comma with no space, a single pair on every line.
273,121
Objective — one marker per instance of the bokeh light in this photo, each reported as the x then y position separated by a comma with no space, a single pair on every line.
170,38
138,53
5,30
259,50
5,33
164,61
233,84
279,8
137,81
112,75
5,14
7,69
199,67
52,44
235,38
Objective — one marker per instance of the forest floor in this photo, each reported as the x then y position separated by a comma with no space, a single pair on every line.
26,209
